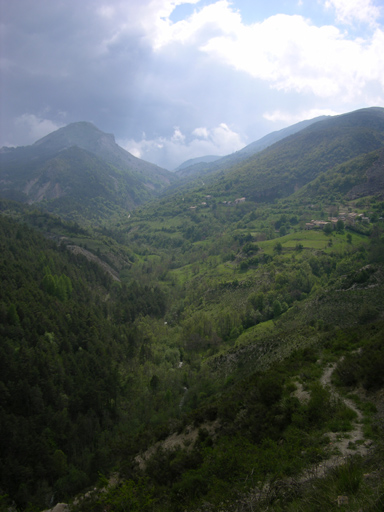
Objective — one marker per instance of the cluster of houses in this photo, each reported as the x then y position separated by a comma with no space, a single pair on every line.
228,203
236,201
348,219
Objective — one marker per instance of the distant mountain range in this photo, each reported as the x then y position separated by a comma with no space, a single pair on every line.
208,164
297,160
192,162
77,168
80,173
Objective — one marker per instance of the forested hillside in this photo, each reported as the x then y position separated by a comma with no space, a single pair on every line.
291,163
207,351
80,173
213,164
65,329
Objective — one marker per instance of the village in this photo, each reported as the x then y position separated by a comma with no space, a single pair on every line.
228,203
349,219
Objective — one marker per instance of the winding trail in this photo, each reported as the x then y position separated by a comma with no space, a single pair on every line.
345,444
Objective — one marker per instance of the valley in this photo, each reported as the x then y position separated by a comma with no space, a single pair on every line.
214,339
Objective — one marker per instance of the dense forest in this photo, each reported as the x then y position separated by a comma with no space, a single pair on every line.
207,350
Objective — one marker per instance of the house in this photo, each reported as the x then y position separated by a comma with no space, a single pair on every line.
321,223
316,224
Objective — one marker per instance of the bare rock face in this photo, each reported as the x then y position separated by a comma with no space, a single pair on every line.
59,507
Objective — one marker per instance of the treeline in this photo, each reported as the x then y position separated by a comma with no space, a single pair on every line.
59,365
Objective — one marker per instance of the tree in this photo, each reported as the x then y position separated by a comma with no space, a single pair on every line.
278,249
340,226
13,317
277,309
327,228
155,382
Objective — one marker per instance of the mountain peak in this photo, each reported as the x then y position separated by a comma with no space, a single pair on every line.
83,134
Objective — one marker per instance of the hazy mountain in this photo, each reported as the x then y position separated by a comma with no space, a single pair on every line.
75,166
199,160
87,136
204,166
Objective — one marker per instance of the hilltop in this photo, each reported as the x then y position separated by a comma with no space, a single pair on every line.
79,172
296,160
199,166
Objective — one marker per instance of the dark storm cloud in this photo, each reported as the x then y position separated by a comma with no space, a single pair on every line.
174,81
66,59
69,61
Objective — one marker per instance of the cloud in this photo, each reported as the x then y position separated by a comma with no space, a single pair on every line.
351,11
291,118
151,65
171,151
294,55
28,128
202,24
287,51
201,133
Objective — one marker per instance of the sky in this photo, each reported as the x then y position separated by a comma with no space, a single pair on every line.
177,79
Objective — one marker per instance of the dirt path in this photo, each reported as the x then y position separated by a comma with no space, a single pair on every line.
344,444
356,436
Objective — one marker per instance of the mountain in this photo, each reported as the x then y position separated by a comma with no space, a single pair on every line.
199,160
79,168
87,136
359,177
192,167
291,163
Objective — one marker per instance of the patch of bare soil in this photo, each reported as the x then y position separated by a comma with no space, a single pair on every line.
354,443
92,257
342,445
185,439
300,393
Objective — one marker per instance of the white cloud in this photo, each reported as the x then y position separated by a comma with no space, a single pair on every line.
33,128
202,133
218,15
172,151
294,55
350,11
291,118
178,136
287,51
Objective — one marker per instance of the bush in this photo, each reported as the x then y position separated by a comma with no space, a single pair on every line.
348,478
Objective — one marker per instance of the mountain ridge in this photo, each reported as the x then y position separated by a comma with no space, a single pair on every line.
225,162
52,170
292,162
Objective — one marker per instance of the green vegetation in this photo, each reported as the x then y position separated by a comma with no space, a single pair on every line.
204,354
